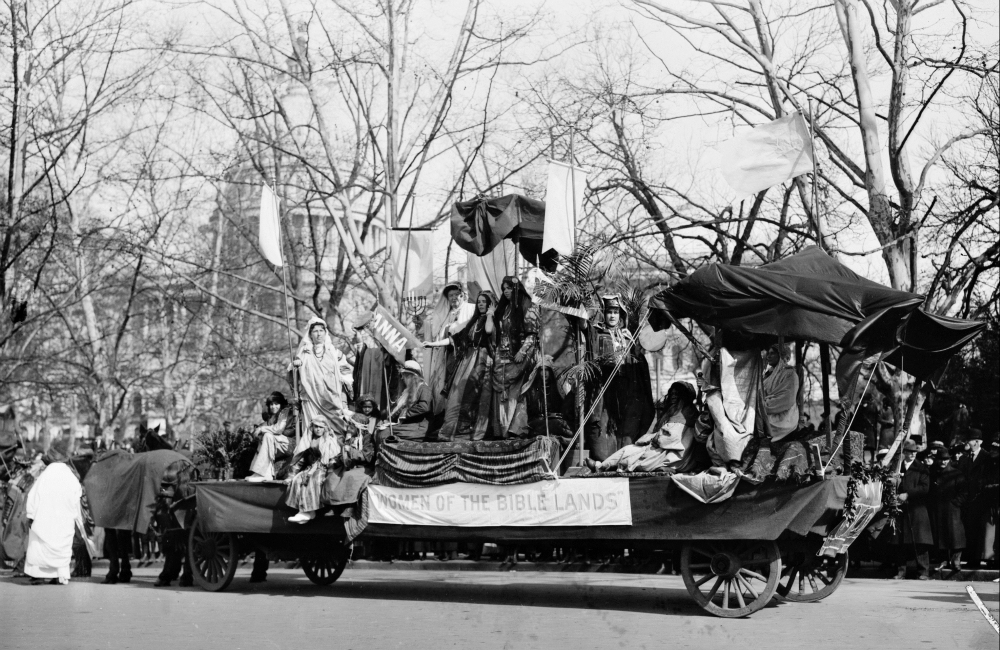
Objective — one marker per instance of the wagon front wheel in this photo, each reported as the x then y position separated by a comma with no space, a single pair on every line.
807,577
731,579
213,557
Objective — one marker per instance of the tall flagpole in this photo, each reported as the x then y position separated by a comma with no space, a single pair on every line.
815,183
288,326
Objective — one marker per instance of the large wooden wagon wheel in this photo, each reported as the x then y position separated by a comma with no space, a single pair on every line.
731,578
213,557
807,577
324,571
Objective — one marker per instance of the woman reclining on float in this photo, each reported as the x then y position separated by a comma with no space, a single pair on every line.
666,445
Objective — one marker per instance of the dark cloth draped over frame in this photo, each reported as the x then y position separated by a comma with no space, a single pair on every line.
479,226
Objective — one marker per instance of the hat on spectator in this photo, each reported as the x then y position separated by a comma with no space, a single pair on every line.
909,445
975,434
937,443
943,454
881,452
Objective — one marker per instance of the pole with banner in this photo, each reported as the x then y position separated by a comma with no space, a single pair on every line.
270,247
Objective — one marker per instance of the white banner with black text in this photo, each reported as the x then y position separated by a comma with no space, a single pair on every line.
566,502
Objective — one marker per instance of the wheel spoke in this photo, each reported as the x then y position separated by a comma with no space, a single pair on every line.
826,581
704,579
697,550
753,574
715,588
701,565
756,562
812,583
739,591
750,589
725,595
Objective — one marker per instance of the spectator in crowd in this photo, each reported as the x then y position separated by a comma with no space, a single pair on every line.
974,512
990,496
914,537
947,495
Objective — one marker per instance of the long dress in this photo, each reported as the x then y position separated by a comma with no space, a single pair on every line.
510,413
781,386
310,467
54,508
322,376
442,323
469,393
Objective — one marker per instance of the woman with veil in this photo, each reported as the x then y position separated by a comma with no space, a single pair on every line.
449,315
323,373
467,409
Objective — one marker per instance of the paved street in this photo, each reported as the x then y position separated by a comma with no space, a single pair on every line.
442,609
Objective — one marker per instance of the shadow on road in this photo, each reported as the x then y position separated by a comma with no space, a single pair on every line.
962,598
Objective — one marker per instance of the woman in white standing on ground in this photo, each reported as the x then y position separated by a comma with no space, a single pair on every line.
53,512
323,374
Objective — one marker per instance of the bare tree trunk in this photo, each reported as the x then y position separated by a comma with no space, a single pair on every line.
880,214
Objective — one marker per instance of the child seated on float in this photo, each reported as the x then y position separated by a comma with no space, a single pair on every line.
666,443
309,469
367,418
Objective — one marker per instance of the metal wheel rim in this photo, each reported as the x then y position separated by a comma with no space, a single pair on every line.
731,579
811,578
213,558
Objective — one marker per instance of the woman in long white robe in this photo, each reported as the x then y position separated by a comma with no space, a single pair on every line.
323,373
53,509
781,387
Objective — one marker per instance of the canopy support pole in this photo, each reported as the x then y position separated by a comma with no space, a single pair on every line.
824,356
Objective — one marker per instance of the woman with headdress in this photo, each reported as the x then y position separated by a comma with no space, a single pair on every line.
515,324
666,444
366,416
308,470
780,387
467,409
450,314
323,372
628,399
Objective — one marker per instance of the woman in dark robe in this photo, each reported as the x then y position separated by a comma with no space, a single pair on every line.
468,392
515,323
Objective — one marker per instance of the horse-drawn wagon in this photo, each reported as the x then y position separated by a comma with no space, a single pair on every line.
782,524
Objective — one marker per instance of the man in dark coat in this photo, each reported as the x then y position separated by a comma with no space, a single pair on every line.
914,537
947,496
974,465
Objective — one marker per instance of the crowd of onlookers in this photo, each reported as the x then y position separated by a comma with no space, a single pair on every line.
948,493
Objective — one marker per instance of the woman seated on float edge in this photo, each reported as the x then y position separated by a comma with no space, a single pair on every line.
468,392
309,468
668,442
276,436
409,418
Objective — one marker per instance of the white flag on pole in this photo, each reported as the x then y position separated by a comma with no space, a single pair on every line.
413,260
488,271
768,155
563,206
270,227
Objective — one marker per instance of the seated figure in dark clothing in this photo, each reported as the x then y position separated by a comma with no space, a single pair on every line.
409,417
277,435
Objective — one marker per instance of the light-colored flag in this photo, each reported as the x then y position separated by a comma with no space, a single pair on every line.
563,206
413,259
270,227
766,156
488,271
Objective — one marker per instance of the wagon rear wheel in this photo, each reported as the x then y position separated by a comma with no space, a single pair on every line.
324,571
731,579
213,557
807,577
